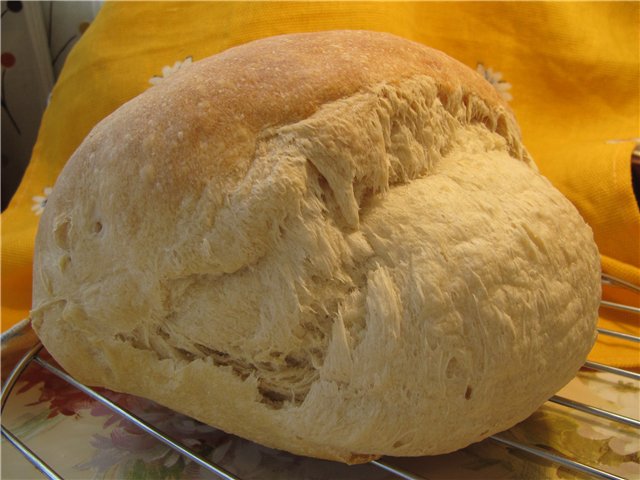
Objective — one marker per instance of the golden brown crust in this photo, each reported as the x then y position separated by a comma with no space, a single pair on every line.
230,98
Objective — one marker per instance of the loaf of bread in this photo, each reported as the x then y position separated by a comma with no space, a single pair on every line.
332,243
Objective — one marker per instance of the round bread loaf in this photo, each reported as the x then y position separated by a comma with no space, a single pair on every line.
331,243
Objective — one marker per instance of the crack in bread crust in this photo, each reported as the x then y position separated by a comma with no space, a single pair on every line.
399,142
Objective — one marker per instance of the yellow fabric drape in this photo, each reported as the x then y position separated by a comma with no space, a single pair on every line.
572,70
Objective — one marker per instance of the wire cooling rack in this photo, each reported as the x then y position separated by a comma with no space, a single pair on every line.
34,356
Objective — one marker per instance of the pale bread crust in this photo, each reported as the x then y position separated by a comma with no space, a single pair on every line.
333,244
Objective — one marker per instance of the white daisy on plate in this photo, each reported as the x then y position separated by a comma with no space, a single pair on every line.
495,79
169,70
39,201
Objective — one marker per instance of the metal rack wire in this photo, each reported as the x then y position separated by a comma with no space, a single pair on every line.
33,357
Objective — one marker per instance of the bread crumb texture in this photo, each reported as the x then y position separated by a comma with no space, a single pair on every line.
333,244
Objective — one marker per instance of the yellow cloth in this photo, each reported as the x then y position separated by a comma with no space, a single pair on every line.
573,70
